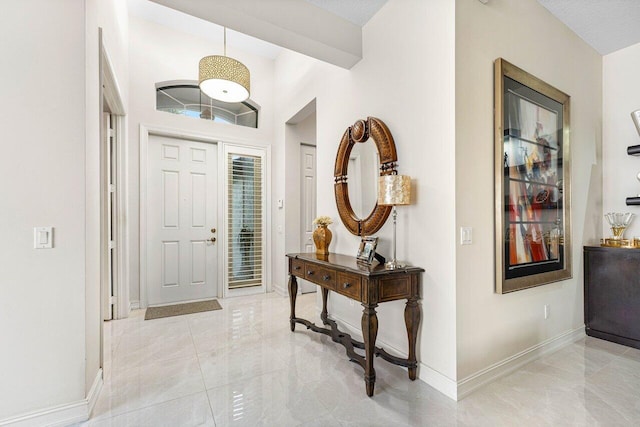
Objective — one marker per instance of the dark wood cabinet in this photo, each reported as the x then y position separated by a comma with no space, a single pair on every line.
612,294
369,285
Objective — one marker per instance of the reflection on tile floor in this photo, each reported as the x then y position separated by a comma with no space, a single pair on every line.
241,366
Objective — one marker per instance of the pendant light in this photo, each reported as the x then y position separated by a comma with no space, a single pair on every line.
224,78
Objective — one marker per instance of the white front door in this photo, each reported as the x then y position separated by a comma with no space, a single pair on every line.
308,205
181,220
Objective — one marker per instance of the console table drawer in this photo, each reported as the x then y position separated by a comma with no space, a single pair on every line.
320,276
297,268
349,285
391,289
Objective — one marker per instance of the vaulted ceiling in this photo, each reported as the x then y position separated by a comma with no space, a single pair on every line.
331,30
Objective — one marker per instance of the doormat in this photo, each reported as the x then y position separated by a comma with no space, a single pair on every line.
180,309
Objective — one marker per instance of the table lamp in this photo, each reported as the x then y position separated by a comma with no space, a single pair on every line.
394,190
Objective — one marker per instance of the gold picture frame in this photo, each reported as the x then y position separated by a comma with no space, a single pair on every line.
532,180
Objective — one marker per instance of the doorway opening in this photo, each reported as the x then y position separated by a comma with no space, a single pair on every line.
301,184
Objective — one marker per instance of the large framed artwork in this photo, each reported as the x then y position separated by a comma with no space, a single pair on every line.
532,181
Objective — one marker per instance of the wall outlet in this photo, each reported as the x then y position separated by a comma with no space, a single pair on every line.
547,311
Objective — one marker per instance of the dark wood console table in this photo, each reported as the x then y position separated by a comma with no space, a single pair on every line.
612,294
369,285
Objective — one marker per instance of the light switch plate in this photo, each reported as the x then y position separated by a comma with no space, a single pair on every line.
466,235
43,237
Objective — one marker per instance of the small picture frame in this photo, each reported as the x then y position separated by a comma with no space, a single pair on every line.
367,249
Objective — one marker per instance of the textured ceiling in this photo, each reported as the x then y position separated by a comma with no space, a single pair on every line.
356,11
607,25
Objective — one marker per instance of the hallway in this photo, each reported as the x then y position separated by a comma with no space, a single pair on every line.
242,366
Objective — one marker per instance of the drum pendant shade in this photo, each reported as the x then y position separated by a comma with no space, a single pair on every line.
224,78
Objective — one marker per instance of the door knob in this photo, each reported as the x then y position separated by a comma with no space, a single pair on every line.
213,230
213,239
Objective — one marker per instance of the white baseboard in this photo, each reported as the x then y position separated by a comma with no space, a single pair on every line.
440,382
62,415
435,379
134,305
280,290
460,389
505,367
94,392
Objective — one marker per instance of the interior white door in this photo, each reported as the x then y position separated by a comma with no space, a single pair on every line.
308,205
181,220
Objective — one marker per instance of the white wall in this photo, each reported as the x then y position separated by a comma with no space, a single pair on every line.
406,78
158,53
50,308
42,319
621,96
493,327
49,312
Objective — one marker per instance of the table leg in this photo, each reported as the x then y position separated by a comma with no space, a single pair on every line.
412,321
324,314
369,332
293,293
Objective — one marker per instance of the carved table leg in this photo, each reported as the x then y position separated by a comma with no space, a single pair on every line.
293,293
412,321
323,315
369,332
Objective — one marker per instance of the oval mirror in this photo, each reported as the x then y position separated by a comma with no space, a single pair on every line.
362,178
366,151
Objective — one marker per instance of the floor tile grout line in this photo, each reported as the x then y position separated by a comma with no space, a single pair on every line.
147,362
204,382
143,407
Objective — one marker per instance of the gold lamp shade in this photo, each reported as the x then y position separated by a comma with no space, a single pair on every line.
224,78
394,190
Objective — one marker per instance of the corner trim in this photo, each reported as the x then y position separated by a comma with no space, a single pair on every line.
280,290
94,392
61,415
439,381
500,369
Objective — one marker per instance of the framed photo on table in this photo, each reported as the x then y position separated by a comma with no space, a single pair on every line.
367,249
532,181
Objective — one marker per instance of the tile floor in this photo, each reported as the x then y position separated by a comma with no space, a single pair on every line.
241,366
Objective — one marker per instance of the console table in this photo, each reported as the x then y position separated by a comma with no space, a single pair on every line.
369,285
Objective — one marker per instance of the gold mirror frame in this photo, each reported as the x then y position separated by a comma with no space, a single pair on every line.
360,132
535,272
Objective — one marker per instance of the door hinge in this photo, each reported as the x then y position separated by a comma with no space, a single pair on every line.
110,133
112,188
112,300
112,244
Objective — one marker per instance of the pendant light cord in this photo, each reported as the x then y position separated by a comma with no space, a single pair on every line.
225,41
